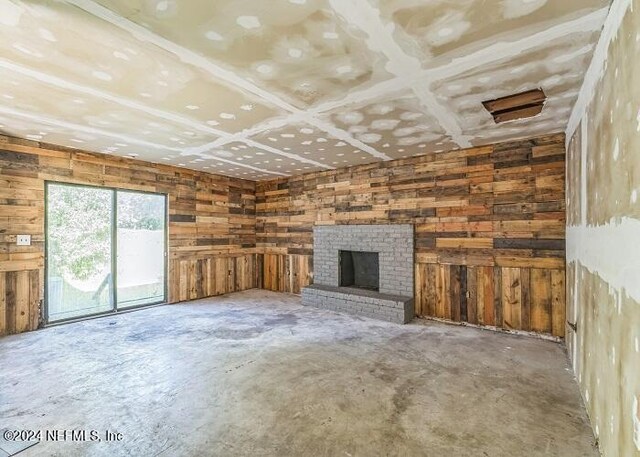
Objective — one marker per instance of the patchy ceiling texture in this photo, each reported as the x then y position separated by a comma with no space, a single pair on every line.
259,89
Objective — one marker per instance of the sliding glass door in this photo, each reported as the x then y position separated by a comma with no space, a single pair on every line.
140,251
79,250
105,250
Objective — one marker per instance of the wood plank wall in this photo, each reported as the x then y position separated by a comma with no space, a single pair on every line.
211,223
489,222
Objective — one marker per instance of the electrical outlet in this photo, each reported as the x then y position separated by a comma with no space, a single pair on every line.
23,240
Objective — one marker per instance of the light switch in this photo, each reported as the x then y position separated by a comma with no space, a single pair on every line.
23,240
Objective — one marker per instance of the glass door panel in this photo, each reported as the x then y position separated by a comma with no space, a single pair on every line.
141,248
79,251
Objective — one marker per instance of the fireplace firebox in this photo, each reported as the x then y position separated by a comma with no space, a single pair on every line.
359,269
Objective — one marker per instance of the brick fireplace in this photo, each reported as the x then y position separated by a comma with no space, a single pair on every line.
363,269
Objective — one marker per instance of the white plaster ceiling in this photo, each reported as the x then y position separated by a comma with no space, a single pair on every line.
258,89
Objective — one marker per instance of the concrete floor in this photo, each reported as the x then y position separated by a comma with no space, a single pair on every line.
256,374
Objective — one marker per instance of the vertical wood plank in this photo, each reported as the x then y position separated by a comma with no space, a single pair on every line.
252,271
432,290
480,298
489,302
22,301
558,305
268,271
34,299
511,298
3,303
184,283
420,288
212,277
541,300
283,273
10,289
455,288
472,288
231,274
497,297
464,316
525,279
443,291
201,267
206,278
172,282
221,275
192,278
260,271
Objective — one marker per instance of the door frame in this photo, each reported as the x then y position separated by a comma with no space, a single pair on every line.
114,254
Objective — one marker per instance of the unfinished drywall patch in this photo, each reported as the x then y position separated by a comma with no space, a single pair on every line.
314,145
609,361
301,49
395,124
514,74
449,29
613,165
574,173
603,251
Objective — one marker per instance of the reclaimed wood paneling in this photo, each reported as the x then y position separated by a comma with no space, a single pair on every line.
197,278
284,273
19,298
493,296
211,223
487,221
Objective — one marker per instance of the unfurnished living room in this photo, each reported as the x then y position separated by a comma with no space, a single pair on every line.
348,228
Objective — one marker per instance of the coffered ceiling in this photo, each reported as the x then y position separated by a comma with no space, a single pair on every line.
258,89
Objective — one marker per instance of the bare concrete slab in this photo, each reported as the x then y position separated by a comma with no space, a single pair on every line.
255,373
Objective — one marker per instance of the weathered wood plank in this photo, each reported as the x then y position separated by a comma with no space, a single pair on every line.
3,303
558,305
472,295
541,300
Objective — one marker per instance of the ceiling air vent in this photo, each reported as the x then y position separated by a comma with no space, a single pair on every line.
519,106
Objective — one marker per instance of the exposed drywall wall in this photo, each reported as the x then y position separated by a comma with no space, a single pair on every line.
603,235
211,223
489,228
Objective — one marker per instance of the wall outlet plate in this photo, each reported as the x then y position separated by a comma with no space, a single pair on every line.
23,240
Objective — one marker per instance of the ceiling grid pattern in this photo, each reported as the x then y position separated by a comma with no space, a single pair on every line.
257,90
